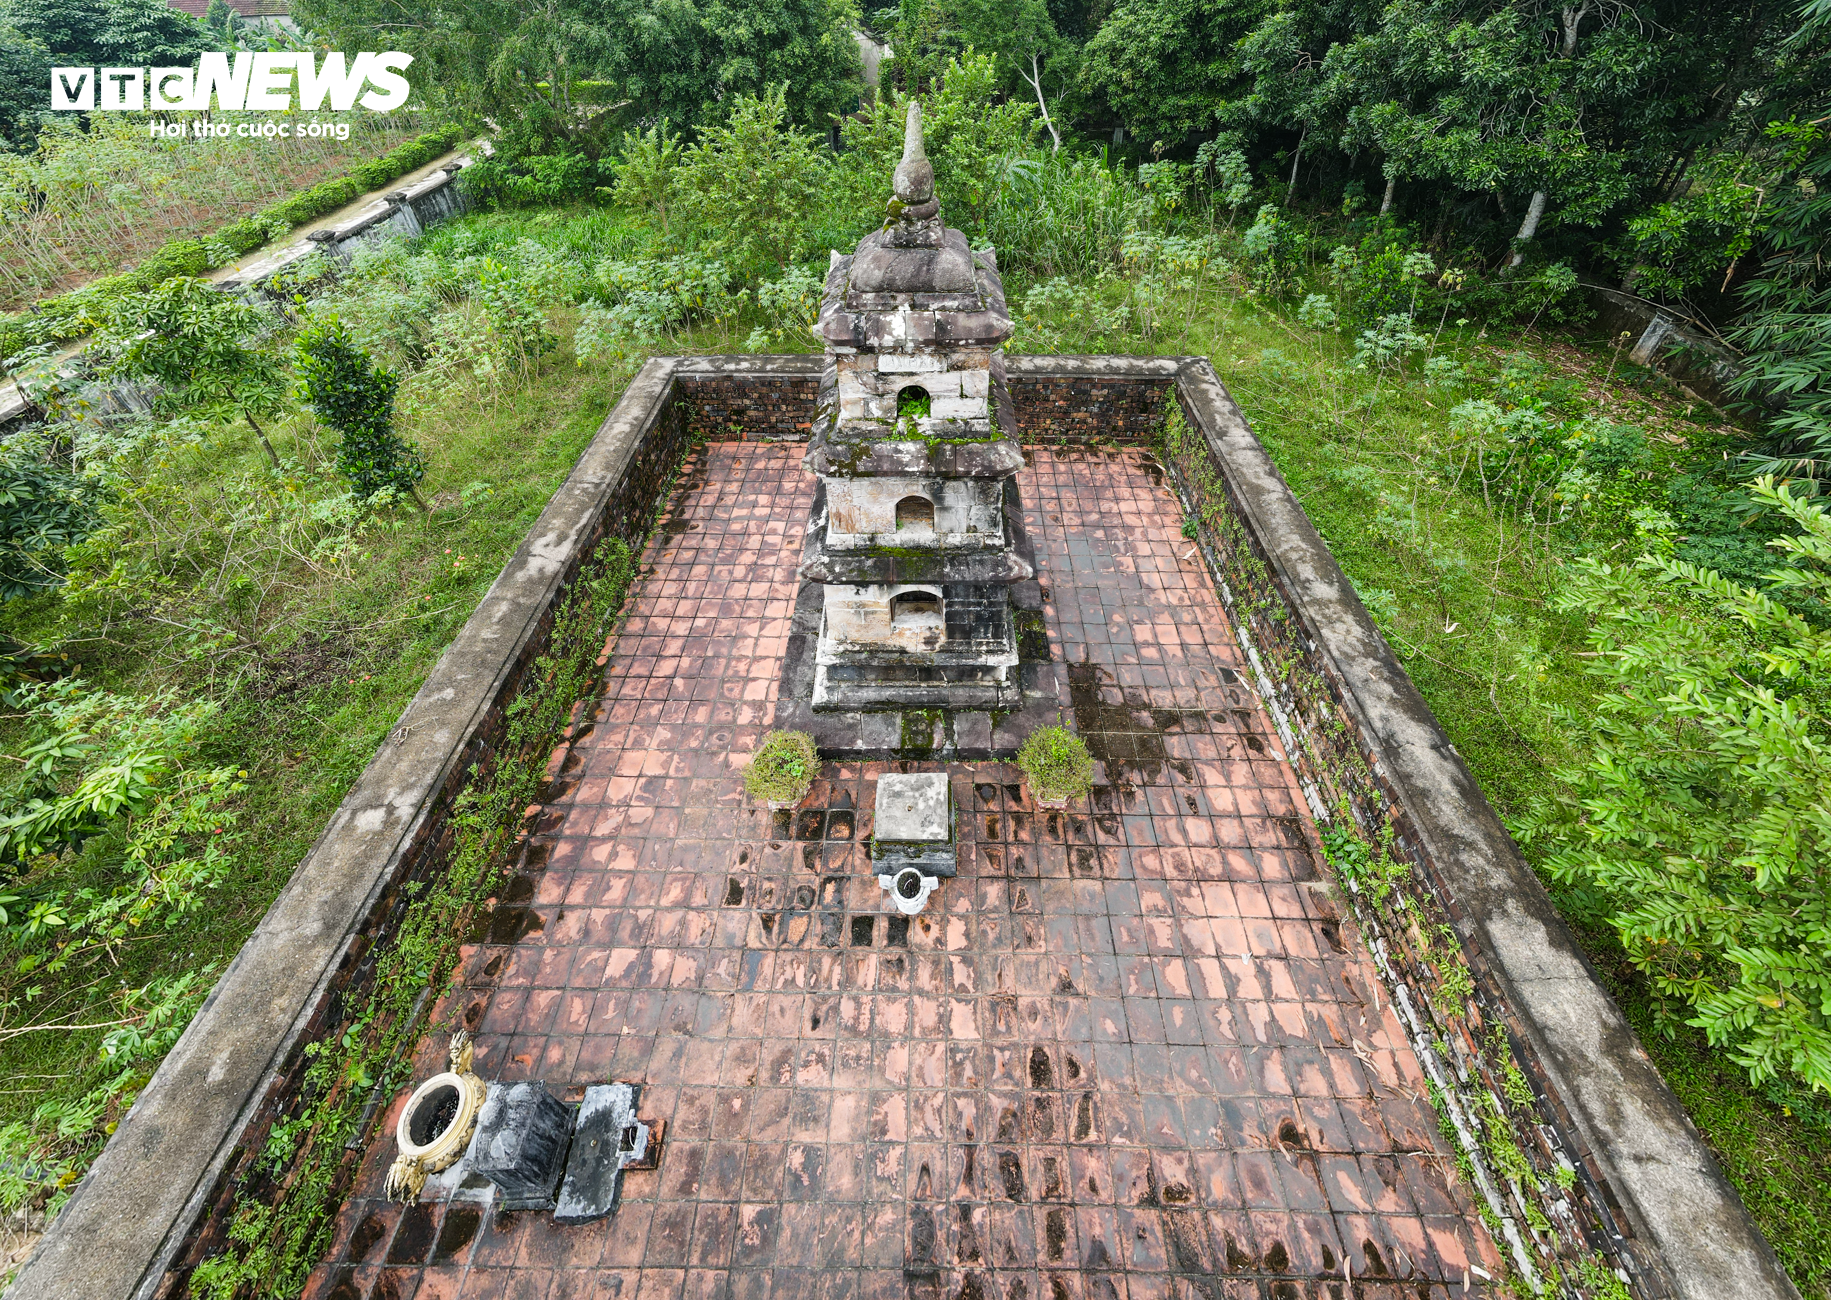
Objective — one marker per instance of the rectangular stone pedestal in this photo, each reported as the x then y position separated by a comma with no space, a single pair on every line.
913,825
889,732
980,676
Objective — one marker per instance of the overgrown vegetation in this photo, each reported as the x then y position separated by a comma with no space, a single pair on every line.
1058,764
355,397
783,768
1695,826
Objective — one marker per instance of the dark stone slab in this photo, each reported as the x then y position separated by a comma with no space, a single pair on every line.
930,859
606,1140
523,1132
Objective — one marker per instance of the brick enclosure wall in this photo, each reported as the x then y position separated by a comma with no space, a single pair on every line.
1473,1040
1051,409
747,407
1058,410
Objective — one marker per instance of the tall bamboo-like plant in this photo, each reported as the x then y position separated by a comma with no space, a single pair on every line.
1787,331
354,396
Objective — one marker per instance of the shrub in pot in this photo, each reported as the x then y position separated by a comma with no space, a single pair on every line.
782,769
1057,765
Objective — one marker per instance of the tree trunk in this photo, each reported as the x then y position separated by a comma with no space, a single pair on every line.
1527,228
1035,78
273,457
1296,155
1392,183
1572,18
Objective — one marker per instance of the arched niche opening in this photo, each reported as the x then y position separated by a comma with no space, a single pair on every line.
915,609
915,512
912,403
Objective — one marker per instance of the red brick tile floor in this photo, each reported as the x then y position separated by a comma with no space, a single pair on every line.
1128,1053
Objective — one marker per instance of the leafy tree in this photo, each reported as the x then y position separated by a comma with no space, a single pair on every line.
1274,247
1165,67
223,23
1034,59
1286,84
42,510
1511,116
36,35
25,72
200,346
521,65
687,61
122,33
1685,242
354,396
755,181
971,134
1699,828
520,174
1502,99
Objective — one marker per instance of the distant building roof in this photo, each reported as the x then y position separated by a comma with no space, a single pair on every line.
246,8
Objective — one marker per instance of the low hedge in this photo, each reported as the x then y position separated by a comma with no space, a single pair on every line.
72,315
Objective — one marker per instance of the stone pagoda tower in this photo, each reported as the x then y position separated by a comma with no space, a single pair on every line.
916,537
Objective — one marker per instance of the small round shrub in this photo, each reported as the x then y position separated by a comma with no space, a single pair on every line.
349,392
1057,763
783,767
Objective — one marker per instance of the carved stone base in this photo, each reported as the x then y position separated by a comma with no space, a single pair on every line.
981,673
893,731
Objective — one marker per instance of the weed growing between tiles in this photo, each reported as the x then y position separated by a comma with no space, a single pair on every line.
1543,1206
284,1206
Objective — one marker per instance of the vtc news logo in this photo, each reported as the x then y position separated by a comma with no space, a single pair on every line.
253,81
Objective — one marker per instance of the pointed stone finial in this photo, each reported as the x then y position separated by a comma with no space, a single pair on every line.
915,176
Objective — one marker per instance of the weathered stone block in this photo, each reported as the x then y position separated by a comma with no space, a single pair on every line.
958,408
520,1145
913,807
909,363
